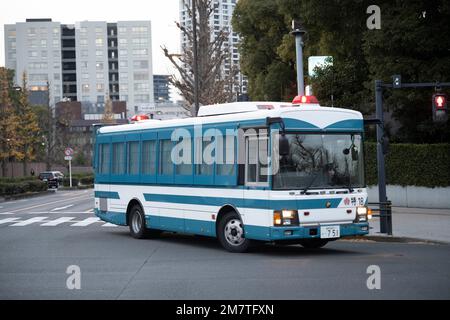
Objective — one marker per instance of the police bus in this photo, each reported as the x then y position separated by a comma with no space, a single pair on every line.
242,172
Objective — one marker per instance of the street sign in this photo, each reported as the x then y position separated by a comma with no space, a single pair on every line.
318,61
68,151
68,158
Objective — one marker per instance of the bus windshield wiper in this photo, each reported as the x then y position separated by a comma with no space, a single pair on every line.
311,182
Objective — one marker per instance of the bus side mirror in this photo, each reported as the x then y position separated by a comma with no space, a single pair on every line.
283,145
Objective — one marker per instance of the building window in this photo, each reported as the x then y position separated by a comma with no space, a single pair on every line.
55,43
32,54
84,53
123,64
123,53
44,43
56,76
99,65
85,76
122,30
141,87
99,42
100,75
124,87
123,42
55,32
84,64
140,76
98,30
100,99
140,64
85,88
56,53
98,53
123,75
100,87
83,42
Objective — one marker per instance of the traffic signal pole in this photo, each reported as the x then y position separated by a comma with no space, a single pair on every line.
386,213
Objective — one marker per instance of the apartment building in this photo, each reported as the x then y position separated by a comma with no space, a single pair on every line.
86,61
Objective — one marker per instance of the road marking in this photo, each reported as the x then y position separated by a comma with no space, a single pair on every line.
48,203
109,225
2,221
28,221
59,212
85,222
57,221
62,208
6,213
89,211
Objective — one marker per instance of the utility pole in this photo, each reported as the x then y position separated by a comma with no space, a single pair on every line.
299,32
382,198
195,56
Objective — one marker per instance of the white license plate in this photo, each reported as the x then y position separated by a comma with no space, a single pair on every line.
330,232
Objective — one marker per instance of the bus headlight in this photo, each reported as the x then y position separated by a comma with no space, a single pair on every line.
285,218
363,214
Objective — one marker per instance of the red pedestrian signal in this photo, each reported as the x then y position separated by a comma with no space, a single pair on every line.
440,111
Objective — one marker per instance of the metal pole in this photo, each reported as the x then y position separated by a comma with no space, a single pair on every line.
70,172
195,56
380,158
300,79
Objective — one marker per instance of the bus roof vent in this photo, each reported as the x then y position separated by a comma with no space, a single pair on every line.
239,107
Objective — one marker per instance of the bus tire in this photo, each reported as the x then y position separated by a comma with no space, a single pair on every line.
231,235
137,225
313,243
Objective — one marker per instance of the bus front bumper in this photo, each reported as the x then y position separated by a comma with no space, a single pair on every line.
298,233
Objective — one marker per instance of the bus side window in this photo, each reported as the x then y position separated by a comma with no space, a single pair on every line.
133,157
166,164
103,158
256,161
118,158
148,166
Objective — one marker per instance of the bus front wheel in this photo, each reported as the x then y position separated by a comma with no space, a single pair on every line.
231,233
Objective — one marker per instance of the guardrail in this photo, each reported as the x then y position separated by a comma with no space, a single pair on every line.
383,210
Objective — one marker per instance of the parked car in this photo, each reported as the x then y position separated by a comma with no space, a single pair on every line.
51,178
59,175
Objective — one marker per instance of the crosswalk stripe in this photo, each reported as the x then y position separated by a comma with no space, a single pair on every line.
7,220
85,222
109,225
57,221
28,221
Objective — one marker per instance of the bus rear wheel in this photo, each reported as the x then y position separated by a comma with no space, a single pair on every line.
313,243
138,228
231,233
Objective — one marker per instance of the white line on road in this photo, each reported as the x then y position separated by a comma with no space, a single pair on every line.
7,220
48,203
57,221
28,221
62,208
109,225
59,212
6,213
85,222
89,211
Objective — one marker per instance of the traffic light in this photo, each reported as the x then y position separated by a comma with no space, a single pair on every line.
440,110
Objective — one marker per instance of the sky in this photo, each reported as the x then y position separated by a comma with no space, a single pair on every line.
161,13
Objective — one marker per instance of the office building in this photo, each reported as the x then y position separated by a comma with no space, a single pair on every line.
85,61
161,88
220,19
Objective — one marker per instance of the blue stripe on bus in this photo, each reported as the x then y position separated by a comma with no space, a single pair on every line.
352,124
119,218
244,203
106,194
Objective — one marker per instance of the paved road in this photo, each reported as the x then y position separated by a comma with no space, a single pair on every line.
39,244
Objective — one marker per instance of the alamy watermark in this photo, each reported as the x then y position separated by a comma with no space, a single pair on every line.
73,282
374,280
374,20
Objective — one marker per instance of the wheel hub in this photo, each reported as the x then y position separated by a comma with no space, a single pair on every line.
234,232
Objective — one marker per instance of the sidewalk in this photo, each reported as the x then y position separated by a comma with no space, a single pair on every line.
425,224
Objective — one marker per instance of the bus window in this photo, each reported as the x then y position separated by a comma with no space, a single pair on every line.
118,159
206,167
104,159
133,158
256,159
166,163
149,157
226,168
185,168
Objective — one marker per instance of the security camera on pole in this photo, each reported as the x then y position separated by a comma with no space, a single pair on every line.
298,31
68,152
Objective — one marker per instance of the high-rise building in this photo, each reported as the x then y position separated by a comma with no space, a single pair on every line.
220,19
86,61
161,88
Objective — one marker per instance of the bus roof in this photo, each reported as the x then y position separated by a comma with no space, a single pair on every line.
317,116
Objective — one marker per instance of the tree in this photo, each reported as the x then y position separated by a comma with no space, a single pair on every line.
108,114
215,85
412,42
29,131
10,143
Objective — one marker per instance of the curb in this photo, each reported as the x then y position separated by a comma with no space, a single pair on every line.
393,239
26,195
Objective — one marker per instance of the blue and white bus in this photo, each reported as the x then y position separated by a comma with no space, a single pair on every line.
280,172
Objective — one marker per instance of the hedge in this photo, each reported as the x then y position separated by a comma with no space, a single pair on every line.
424,165
18,187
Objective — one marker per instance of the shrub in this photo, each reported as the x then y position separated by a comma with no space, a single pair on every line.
424,165
87,180
66,182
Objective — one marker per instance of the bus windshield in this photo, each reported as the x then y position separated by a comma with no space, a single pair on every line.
321,161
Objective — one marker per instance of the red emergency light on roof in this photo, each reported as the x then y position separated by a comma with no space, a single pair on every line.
139,117
305,100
